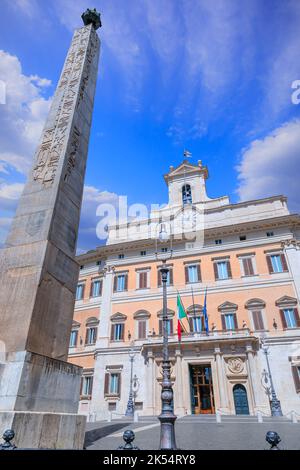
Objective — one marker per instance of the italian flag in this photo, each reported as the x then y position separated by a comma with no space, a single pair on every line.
181,315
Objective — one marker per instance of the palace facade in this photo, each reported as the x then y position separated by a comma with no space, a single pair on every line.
247,256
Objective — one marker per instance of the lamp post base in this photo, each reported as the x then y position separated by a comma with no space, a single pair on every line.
130,408
275,407
167,431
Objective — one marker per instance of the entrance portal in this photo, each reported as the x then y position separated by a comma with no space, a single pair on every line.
240,400
202,394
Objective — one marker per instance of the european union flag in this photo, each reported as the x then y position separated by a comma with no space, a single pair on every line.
205,314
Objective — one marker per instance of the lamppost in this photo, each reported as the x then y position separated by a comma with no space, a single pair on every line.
130,404
274,402
167,418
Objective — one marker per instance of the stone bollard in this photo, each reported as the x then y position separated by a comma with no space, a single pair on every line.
109,417
8,436
128,437
259,417
294,417
218,417
273,439
136,417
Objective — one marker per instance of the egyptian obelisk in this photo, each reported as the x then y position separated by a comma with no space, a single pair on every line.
39,391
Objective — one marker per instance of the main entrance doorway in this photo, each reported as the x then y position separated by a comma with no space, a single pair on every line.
240,400
202,393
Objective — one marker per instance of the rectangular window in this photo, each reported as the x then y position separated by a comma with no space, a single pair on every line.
79,292
120,282
290,318
196,324
229,321
117,332
218,242
91,335
169,326
257,320
277,263
143,279
270,234
143,253
121,256
87,385
73,338
193,273
142,327
164,250
248,269
114,384
243,238
222,270
96,288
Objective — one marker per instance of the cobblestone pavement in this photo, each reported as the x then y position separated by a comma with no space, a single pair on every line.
238,433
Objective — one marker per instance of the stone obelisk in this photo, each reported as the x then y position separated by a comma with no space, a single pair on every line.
39,391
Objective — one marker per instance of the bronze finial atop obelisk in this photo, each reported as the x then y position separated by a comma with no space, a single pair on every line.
92,16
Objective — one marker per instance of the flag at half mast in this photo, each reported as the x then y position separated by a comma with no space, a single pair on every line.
182,320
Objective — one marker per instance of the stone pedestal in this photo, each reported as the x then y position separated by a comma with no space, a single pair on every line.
39,401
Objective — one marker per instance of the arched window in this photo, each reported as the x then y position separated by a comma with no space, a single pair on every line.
186,194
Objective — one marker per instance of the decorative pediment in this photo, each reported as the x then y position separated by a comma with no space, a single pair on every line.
170,313
186,168
253,304
118,317
194,309
141,314
75,324
92,320
286,301
227,307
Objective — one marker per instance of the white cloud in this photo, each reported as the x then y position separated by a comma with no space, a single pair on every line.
270,166
22,117
92,198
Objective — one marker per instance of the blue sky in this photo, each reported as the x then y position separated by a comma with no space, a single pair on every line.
213,77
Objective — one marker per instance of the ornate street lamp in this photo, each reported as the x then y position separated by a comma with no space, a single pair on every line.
167,418
274,402
130,404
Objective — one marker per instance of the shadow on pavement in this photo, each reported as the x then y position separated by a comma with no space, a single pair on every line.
99,433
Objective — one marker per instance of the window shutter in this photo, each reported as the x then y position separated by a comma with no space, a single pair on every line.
95,334
142,329
126,282
83,289
245,266
257,320
283,262
112,332
283,321
186,271
106,384
171,326
91,289
235,321
171,276
191,325
122,331
101,286
216,271
91,386
223,322
86,335
115,283
119,385
160,327
158,278
229,269
296,377
269,263
297,317
81,385
248,267
199,272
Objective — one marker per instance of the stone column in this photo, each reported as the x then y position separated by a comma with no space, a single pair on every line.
253,382
39,391
150,387
106,302
179,403
221,379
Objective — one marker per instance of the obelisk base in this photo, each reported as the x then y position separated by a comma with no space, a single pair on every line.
35,430
39,401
